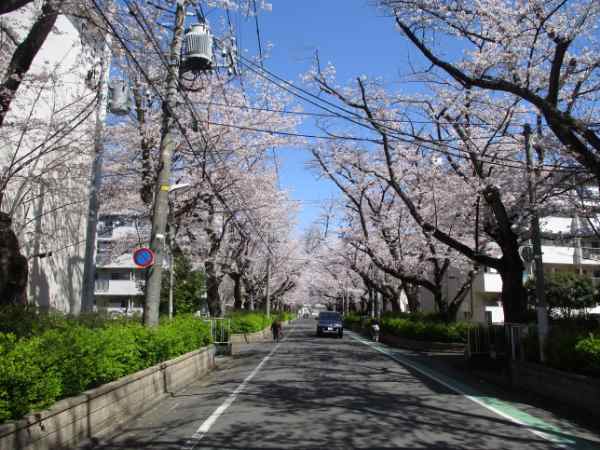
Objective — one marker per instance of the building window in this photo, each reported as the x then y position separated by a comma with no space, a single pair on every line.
119,276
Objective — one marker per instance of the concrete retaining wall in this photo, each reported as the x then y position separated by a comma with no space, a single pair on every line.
103,409
571,389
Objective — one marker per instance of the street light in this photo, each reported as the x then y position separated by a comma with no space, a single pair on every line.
173,188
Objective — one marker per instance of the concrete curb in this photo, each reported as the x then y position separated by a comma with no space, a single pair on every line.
69,421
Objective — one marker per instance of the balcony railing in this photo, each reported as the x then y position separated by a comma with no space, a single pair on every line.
101,286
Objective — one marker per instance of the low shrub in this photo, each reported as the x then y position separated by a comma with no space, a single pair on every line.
249,322
425,330
574,350
64,361
352,320
588,349
418,326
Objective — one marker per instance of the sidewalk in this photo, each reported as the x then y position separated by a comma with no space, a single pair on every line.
454,366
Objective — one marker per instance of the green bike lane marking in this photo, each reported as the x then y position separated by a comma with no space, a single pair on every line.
502,408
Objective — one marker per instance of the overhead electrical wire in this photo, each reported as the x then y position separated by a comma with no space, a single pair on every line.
177,121
422,142
182,129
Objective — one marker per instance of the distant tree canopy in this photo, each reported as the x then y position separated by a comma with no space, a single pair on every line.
566,292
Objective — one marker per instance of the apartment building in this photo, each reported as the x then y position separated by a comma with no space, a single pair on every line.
119,282
569,244
47,162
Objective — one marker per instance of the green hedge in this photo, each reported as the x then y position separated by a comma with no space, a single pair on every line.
251,322
425,331
574,350
419,327
37,371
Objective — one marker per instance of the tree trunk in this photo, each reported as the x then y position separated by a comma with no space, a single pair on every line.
14,269
514,300
238,291
395,300
213,281
24,55
412,297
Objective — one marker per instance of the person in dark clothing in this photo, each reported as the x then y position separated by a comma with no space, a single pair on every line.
276,327
375,328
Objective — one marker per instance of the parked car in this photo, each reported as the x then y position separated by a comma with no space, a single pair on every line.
330,322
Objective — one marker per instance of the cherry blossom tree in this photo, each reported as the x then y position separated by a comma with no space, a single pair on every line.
454,160
540,54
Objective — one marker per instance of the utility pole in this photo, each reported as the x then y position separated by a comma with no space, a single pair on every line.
161,195
541,307
89,262
171,268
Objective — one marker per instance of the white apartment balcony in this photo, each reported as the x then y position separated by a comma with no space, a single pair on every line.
117,287
488,282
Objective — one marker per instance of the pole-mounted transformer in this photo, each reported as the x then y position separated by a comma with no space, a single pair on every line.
119,98
197,50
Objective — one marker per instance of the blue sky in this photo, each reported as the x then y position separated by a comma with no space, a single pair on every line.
351,34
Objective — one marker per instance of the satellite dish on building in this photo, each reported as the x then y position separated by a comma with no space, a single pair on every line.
119,98
197,50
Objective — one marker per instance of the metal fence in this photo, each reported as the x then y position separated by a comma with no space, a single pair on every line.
220,330
500,342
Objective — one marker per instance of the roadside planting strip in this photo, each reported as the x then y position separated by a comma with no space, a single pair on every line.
504,409
210,421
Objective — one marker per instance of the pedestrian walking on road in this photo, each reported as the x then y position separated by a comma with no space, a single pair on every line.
375,328
276,327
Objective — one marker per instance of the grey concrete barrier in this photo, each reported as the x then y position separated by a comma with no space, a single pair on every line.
101,410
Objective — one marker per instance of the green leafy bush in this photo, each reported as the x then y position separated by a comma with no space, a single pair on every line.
588,349
419,327
425,331
249,322
28,381
70,358
352,320
573,349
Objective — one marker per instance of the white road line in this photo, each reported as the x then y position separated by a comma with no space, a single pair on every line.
208,423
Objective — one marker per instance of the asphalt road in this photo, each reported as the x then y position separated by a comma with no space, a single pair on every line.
329,393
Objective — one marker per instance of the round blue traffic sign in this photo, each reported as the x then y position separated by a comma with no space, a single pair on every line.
143,257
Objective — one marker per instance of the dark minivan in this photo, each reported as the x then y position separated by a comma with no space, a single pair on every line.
330,322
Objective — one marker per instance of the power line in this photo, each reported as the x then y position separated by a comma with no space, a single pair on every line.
260,52
421,141
183,131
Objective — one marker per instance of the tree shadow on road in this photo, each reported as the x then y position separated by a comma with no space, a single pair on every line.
331,394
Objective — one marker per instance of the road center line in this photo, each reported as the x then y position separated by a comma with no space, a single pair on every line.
497,406
208,423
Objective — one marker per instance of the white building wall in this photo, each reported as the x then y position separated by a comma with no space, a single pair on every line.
48,201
